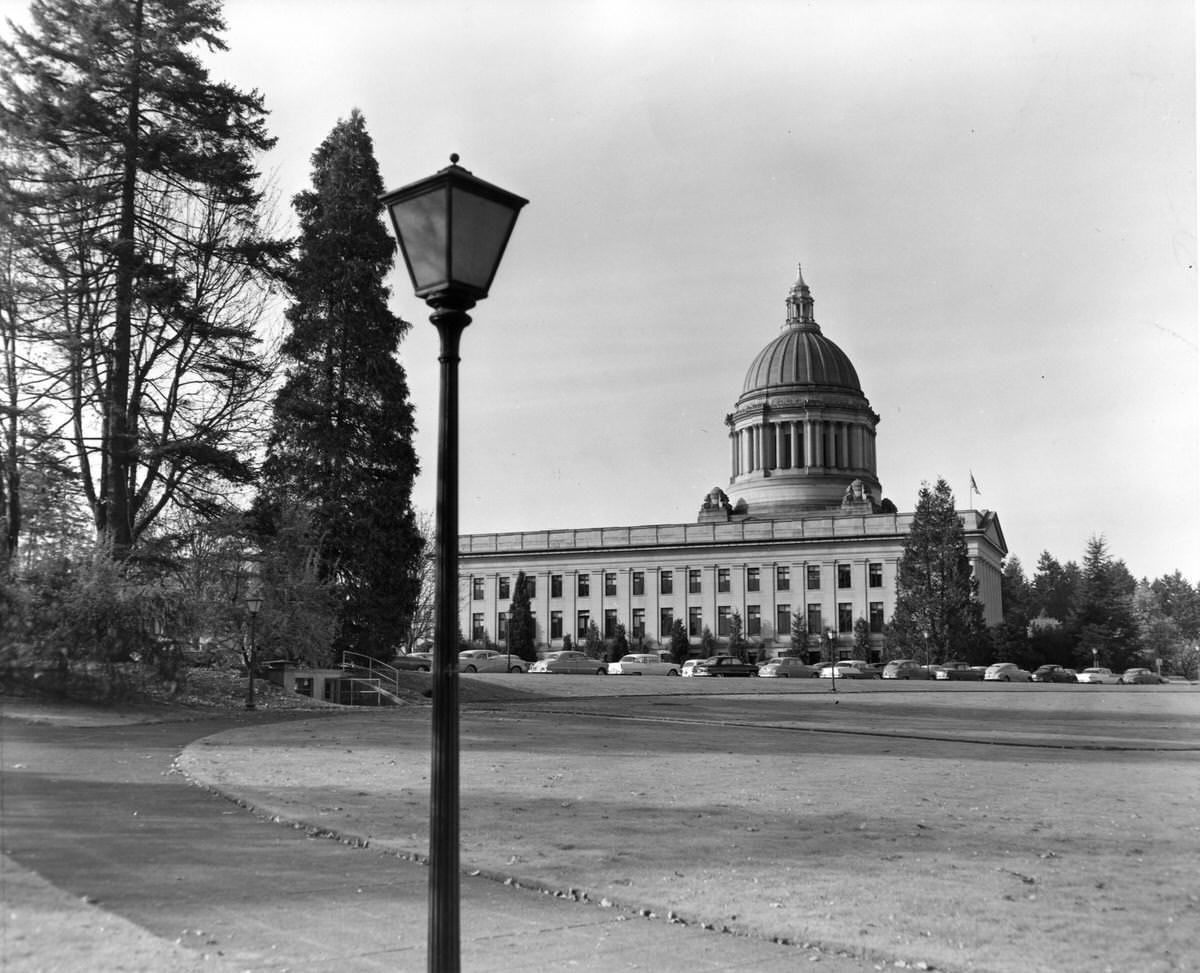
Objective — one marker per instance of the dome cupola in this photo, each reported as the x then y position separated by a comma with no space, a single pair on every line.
802,431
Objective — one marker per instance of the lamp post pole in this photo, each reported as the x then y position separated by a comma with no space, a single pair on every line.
453,228
832,662
253,604
443,791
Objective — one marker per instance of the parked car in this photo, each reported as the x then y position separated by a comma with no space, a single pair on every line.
1097,675
872,669
1007,672
1054,674
724,665
413,661
644,664
906,669
848,669
488,660
958,671
1140,677
786,667
689,667
570,661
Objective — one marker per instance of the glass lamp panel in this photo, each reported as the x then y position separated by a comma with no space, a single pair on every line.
479,231
422,227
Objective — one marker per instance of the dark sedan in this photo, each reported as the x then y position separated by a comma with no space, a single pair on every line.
1054,674
724,665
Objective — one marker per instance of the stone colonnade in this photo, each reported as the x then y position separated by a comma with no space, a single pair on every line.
802,444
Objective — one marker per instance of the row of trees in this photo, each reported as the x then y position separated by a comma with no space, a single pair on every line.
149,441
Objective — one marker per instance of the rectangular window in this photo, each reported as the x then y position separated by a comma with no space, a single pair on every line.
584,585
876,617
723,579
502,628
845,618
783,578
875,575
610,584
695,621
752,579
639,623
666,622
556,586
610,623
783,619
753,620
531,586
556,625
582,621
693,582
814,621
478,632
844,576
639,582
503,588
477,589
723,614
666,583
814,577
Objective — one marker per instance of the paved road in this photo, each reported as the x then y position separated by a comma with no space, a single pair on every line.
99,812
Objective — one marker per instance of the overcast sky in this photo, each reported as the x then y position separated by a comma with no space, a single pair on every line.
994,203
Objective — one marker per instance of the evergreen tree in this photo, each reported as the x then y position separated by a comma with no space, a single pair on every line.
863,649
620,644
1055,588
341,444
737,638
708,642
131,175
593,644
1104,620
680,646
938,615
799,635
521,634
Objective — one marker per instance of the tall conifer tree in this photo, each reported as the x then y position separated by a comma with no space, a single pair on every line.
131,175
341,445
935,590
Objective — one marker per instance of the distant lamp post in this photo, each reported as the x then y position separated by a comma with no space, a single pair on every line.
832,660
452,229
253,606
1095,657
926,635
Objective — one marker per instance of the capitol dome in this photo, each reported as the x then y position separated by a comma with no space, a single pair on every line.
801,356
802,434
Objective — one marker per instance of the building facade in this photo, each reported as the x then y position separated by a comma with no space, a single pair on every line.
804,529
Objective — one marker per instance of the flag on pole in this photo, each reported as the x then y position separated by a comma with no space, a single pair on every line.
974,485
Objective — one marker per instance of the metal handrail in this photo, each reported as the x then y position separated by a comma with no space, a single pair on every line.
374,668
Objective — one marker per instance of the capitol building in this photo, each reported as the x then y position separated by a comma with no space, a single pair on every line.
801,527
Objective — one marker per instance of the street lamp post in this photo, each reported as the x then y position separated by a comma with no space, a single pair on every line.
253,606
926,635
832,661
452,228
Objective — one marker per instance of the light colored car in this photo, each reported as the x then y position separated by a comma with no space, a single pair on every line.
906,669
848,669
689,667
787,667
1097,675
1140,677
644,664
488,660
1007,672
570,661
